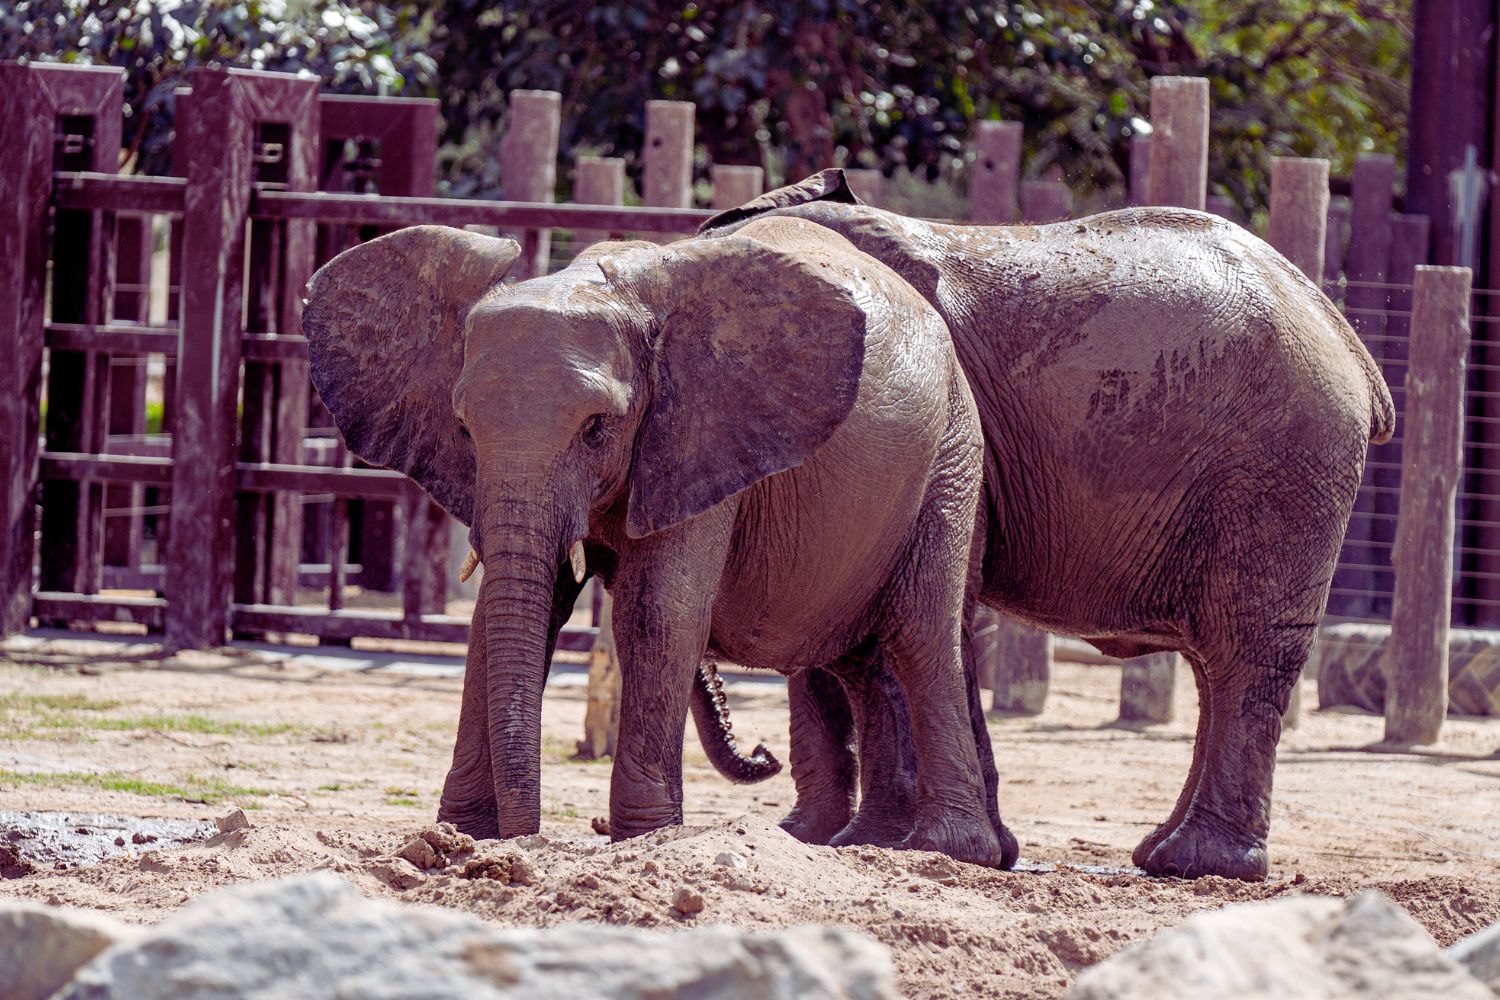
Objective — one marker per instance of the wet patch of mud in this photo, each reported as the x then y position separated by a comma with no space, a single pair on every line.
33,842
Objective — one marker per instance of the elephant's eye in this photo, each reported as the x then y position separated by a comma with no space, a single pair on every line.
595,430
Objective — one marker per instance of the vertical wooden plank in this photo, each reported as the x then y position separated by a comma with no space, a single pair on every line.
1045,201
597,180
1140,169
1417,665
867,185
283,111
127,385
1179,142
528,166
1366,300
995,184
1409,241
1299,212
25,183
1146,686
1017,660
217,136
85,110
1452,68
734,185
667,177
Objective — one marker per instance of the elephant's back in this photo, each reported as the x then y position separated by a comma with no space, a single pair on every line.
1143,325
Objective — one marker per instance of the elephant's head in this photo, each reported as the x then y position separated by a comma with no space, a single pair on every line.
617,398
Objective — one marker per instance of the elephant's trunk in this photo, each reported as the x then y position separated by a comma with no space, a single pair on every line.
711,717
517,596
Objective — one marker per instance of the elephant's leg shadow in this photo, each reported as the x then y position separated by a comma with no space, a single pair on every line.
823,760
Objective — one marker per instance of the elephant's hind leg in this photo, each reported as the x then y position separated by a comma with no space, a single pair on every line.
887,761
1227,814
1195,772
824,766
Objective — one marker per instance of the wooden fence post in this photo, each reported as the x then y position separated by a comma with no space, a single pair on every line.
1045,201
995,184
528,166
127,387
217,137
1179,142
733,186
667,180
1140,170
85,112
1298,224
867,185
1146,685
1416,697
1366,300
601,718
1017,661
1333,249
25,184
1299,212
597,180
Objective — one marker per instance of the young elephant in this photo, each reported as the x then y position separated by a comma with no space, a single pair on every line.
1175,424
767,439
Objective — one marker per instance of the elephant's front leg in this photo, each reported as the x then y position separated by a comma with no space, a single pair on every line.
468,800
664,591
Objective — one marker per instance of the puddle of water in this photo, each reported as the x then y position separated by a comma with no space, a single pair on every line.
56,841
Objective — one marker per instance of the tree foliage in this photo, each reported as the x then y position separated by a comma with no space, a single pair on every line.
795,85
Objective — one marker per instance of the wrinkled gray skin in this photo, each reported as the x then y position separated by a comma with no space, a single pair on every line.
1175,424
763,441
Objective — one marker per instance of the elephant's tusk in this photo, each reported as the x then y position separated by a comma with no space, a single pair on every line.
575,557
467,569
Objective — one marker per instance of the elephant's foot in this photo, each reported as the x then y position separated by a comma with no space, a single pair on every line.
875,828
814,826
1149,843
1192,850
969,839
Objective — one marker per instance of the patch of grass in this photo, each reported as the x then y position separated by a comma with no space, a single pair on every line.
190,723
557,750
15,700
193,788
402,800
335,787
566,812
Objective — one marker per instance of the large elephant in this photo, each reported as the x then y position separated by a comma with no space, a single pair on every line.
764,443
1175,423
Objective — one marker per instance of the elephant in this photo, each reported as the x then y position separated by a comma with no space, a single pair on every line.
1175,425
762,443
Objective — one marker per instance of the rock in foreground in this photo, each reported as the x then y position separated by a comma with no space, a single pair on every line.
316,935
42,946
1296,948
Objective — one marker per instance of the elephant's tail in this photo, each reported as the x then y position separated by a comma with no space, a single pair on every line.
711,717
1382,412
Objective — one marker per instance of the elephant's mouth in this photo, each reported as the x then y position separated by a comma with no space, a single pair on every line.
576,560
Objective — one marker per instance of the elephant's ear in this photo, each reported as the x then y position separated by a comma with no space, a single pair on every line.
757,361
385,335
825,185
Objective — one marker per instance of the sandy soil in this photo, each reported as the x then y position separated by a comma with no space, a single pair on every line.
340,769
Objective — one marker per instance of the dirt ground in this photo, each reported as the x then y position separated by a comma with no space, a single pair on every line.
338,760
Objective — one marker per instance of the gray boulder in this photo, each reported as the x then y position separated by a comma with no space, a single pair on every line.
1480,954
316,936
42,946
1297,948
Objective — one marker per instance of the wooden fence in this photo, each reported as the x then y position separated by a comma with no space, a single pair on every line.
244,501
